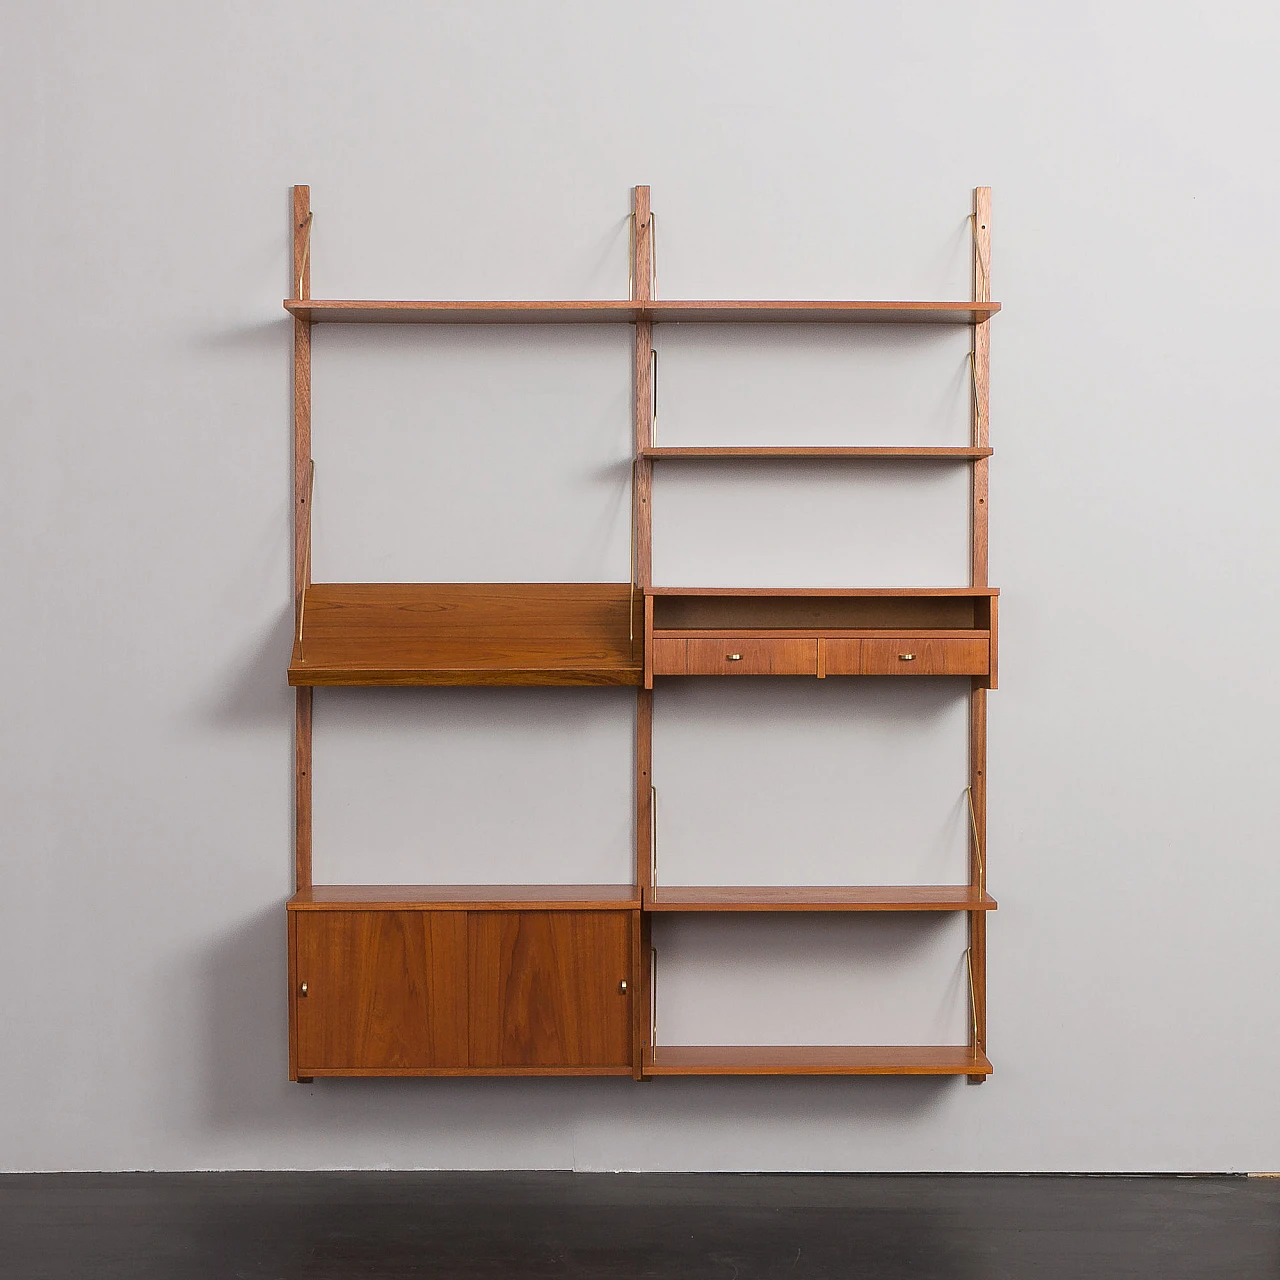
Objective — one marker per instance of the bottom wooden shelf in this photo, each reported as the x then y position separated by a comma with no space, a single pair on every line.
816,1060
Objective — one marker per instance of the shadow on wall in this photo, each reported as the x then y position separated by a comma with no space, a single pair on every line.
360,1123
254,692
747,1123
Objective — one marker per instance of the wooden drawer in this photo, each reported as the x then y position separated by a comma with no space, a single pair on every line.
670,657
912,656
737,657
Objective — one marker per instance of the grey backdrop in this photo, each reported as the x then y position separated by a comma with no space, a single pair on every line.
487,150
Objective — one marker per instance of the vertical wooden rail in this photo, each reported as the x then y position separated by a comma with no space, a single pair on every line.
979,867
644,880
981,379
302,524
641,515
642,267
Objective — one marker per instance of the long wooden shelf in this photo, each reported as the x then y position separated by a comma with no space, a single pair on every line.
814,451
621,311
815,1060
930,592
469,634
467,897
821,312
365,311
703,898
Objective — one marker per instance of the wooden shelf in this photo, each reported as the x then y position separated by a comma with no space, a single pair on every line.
467,897
821,312
363,311
789,592
814,451
703,898
815,1060
620,311
469,634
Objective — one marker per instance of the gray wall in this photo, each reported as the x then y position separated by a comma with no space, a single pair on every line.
487,150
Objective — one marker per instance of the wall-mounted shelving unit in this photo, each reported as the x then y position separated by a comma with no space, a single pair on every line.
405,980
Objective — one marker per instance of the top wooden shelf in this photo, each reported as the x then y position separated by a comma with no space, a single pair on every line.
621,311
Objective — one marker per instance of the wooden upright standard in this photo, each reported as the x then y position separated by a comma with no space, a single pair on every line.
978,695
427,980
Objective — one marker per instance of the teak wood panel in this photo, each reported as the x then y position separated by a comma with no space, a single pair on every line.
745,614
546,989
939,593
816,1060
907,656
669,657
469,633
736,656
889,898
384,989
466,897
815,451
619,311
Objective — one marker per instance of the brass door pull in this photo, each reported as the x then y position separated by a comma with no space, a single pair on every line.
734,657
906,657
622,986
302,990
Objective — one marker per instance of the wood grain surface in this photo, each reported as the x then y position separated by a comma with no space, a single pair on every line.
469,633
301,280
621,311
706,898
384,989
737,656
545,988
939,593
373,311
814,614
466,897
914,656
816,451
816,1060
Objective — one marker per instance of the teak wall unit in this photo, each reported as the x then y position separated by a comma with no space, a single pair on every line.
421,980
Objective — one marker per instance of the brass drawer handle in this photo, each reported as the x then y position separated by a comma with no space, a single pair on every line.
906,657
734,657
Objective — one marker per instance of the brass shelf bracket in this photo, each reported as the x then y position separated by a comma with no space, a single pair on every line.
653,255
973,999
306,564
977,843
653,407
653,835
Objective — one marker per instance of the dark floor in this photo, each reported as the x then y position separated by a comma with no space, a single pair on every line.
328,1226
